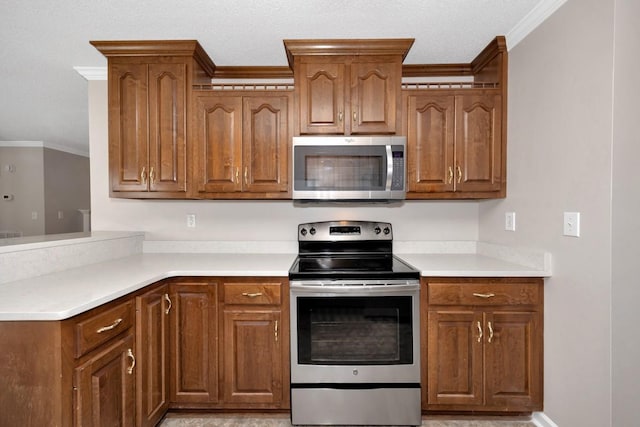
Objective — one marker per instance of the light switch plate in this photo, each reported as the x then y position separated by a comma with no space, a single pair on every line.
510,221
571,224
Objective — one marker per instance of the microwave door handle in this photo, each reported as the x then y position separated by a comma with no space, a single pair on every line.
389,168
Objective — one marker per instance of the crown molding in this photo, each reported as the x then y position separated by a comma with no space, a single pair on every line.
92,73
530,22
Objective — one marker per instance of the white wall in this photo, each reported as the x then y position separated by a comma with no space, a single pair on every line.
625,212
559,159
252,220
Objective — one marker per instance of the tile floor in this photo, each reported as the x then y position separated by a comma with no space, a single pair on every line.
229,420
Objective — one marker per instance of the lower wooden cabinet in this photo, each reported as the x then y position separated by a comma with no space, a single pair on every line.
105,387
152,348
254,343
194,344
483,340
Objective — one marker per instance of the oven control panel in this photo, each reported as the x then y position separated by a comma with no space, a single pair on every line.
329,231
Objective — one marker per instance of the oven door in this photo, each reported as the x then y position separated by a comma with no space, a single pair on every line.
355,333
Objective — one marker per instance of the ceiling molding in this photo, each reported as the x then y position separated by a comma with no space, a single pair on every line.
42,144
92,73
530,22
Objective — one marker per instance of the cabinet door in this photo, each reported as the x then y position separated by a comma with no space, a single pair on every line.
128,113
167,127
266,144
152,348
454,358
218,148
321,95
430,144
478,143
513,360
105,386
253,372
375,88
194,343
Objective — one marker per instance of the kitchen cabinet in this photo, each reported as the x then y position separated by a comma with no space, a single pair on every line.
152,347
454,144
242,145
194,343
483,342
256,344
347,87
149,95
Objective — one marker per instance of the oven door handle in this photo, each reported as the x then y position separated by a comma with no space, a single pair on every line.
361,290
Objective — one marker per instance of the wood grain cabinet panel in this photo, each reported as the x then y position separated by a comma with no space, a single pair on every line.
454,144
194,340
242,146
105,386
482,346
152,344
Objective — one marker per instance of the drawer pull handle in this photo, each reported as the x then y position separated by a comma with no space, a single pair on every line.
490,332
483,295
133,361
479,332
110,327
168,300
252,295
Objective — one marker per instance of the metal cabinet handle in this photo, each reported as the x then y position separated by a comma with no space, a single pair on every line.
143,175
133,361
483,295
110,327
479,332
340,116
237,175
246,171
168,300
490,332
355,117
152,176
459,174
450,174
252,295
275,331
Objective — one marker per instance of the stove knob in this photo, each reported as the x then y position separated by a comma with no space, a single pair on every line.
312,231
377,230
303,231
387,230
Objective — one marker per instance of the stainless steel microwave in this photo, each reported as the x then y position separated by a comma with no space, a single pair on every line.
349,168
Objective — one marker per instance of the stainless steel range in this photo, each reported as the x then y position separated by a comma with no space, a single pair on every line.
355,345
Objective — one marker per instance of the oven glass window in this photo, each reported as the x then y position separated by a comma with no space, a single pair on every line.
354,330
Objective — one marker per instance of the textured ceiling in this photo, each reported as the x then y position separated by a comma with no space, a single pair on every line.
44,99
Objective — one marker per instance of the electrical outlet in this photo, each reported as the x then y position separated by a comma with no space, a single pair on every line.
510,221
34,215
571,224
60,214
191,220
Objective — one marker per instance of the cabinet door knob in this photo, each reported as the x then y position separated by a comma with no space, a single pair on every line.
109,327
168,300
479,332
490,331
133,361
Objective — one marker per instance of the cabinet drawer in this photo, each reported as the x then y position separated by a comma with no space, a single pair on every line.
98,329
252,293
483,294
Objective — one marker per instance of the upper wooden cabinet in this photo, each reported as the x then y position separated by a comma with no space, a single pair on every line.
347,87
241,144
149,93
456,130
454,144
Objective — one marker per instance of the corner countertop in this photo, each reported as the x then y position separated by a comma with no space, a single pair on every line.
96,279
